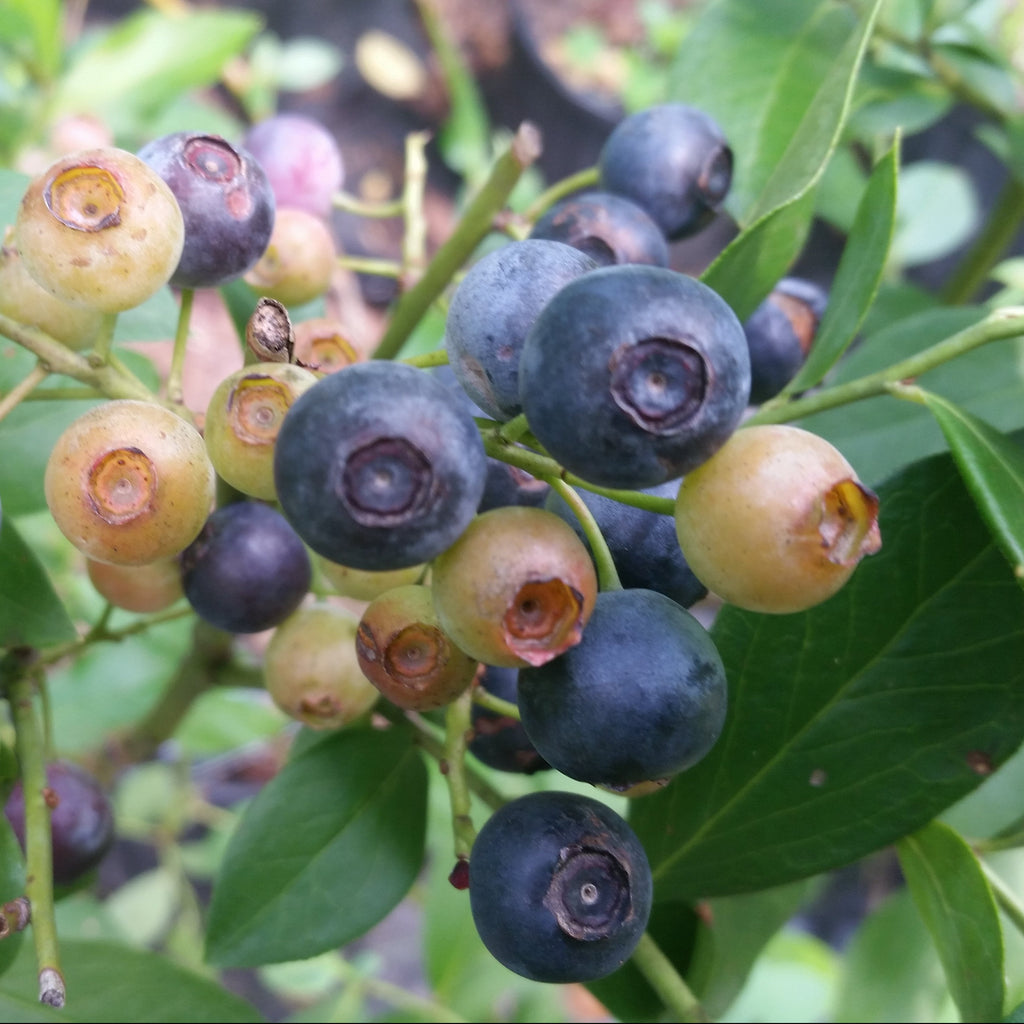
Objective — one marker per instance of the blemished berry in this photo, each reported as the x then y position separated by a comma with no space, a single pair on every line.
322,345
493,308
81,819
301,158
243,417
776,520
516,588
378,467
297,265
632,375
780,333
672,160
129,482
560,887
247,571
407,655
608,228
643,544
225,199
500,741
25,300
137,588
101,229
311,671
639,699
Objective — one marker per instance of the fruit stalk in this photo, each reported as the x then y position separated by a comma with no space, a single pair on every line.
177,368
23,388
667,982
457,730
607,574
999,325
472,228
17,668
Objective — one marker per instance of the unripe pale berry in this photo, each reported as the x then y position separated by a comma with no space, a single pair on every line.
776,520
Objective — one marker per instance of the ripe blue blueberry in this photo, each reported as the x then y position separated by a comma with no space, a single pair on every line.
632,375
560,887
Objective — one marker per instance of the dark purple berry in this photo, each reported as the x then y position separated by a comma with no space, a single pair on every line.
633,375
81,819
225,199
560,887
378,466
500,741
608,228
672,160
247,570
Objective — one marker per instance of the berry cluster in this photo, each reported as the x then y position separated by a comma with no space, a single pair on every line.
614,387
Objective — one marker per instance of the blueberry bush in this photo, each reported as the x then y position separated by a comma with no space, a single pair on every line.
750,577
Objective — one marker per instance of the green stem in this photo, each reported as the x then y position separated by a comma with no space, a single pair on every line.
439,357
473,227
106,378
585,178
998,326
998,233
458,728
1005,897
414,237
176,373
371,265
513,430
68,394
104,339
348,203
607,574
200,670
396,996
23,389
38,837
486,699
667,982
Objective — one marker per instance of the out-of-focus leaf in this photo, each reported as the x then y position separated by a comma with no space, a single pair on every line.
858,721
12,885
858,275
936,213
148,58
993,468
31,613
111,983
307,63
324,851
955,900
33,29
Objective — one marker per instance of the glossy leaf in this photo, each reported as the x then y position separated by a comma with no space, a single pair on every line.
31,613
111,983
323,852
858,274
957,904
856,722
992,466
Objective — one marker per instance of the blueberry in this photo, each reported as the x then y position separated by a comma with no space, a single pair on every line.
225,199
608,228
672,160
780,333
492,309
247,570
81,822
378,466
641,698
643,544
560,887
632,375
500,741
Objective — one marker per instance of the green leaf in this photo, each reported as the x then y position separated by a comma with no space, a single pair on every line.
149,58
860,720
746,270
858,274
324,852
38,22
993,469
785,113
938,212
956,903
31,614
110,983
731,937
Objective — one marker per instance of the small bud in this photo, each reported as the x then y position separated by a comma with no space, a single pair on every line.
269,332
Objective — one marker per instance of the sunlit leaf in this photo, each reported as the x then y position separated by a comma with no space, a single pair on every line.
956,903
